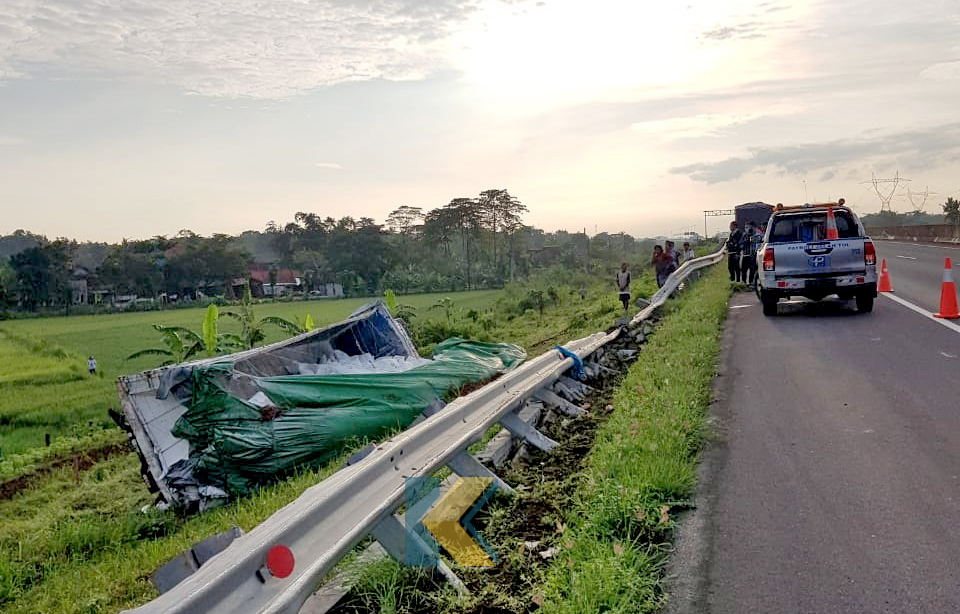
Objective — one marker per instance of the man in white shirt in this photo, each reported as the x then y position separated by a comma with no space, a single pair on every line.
92,366
688,253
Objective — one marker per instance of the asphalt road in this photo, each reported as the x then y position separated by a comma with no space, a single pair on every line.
833,485
916,270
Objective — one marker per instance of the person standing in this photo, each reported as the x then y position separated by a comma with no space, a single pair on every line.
92,365
623,285
688,253
748,262
733,251
662,265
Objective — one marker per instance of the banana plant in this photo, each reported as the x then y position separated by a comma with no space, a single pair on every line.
296,327
182,344
397,310
446,303
252,329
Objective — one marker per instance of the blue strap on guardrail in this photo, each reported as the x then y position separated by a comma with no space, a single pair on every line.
577,368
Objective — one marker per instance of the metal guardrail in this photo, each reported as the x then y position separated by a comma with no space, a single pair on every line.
675,279
329,519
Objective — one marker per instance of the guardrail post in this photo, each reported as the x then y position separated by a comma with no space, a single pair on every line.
512,422
397,541
552,398
467,466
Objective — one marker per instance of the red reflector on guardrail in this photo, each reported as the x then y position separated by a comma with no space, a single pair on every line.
280,561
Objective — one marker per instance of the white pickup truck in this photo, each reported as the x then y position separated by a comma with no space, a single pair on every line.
815,251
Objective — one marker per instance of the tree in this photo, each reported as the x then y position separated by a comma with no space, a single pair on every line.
132,269
439,227
403,219
466,213
32,270
8,285
952,210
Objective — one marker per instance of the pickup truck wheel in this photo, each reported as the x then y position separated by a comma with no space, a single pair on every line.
864,302
769,304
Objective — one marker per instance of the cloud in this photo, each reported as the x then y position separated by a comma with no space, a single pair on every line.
700,125
229,48
332,165
942,71
925,148
747,30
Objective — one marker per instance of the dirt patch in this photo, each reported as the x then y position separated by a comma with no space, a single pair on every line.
80,461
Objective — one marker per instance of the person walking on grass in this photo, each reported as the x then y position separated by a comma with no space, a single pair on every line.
92,365
733,251
688,253
662,265
623,285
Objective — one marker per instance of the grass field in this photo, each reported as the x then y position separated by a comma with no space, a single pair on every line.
44,385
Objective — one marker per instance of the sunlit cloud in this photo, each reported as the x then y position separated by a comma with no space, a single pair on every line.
235,48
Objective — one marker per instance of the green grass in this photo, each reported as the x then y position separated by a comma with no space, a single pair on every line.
642,465
83,546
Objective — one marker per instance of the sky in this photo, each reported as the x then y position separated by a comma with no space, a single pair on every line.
140,118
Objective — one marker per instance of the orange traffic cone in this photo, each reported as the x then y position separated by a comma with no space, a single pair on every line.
883,285
948,294
831,225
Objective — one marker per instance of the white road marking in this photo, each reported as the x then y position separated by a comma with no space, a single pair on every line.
906,257
922,244
945,355
740,306
952,326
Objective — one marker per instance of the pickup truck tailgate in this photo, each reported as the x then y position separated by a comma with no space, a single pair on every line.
800,249
819,258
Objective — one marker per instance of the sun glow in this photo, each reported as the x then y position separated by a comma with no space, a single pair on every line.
566,52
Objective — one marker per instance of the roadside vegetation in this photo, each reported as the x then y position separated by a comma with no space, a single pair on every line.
78,540
642,467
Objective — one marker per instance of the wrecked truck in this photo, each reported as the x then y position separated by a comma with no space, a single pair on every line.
214,429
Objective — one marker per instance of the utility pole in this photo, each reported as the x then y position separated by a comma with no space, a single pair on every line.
924,195
885,195
713,212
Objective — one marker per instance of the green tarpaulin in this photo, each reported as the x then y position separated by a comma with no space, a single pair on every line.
310,418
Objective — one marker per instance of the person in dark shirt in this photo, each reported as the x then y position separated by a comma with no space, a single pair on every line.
623,285
748,262
733,251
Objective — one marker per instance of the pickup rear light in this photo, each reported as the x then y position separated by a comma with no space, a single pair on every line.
768,262
869,253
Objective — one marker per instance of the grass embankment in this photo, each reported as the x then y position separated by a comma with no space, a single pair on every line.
642,466
77,542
